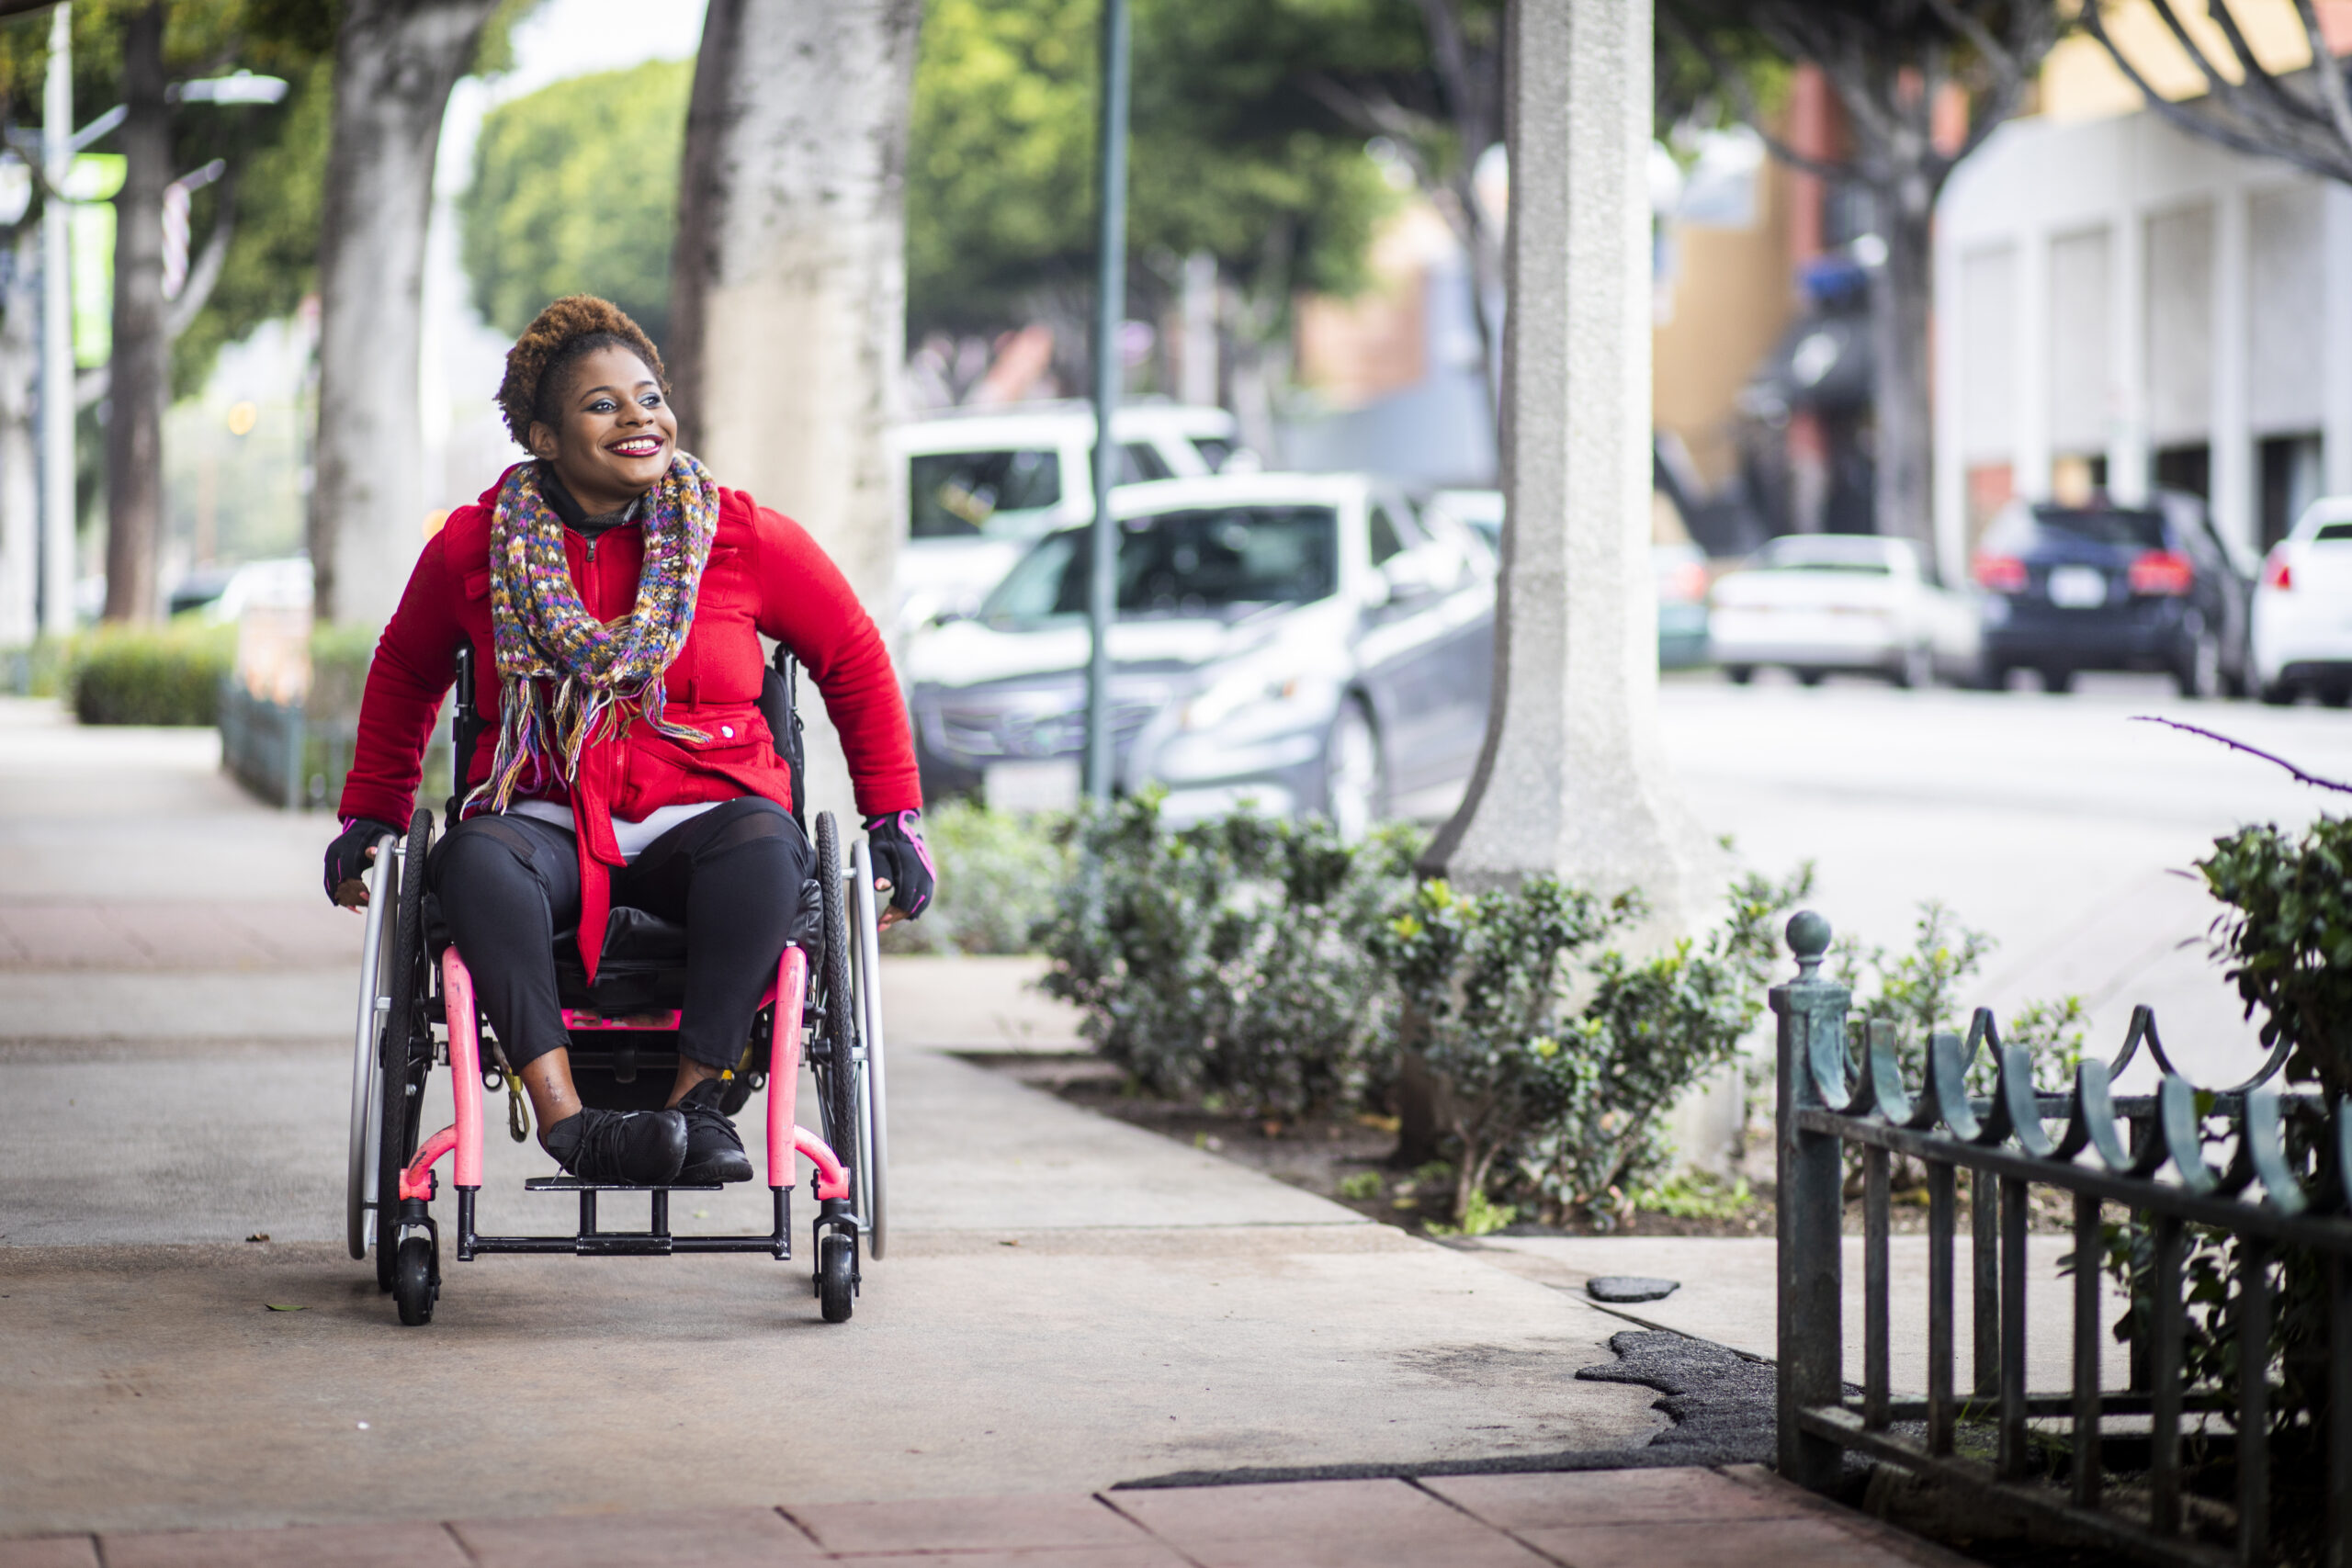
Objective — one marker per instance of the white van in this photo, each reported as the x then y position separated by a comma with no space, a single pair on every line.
982,483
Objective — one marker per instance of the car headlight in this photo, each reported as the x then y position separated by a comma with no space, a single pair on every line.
1232,694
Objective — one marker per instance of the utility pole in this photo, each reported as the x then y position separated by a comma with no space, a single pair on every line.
1109,308
57,336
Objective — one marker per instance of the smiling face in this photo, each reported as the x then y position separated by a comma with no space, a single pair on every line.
615,431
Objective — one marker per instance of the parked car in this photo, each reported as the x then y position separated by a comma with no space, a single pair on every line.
1301,641
982,483
2303,609
223,593
2105,587
1678,567
1817,603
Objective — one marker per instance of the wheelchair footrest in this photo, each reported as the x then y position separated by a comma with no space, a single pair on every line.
573,1184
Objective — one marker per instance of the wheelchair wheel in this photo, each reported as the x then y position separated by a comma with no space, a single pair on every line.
407,1052
417,1282
871,1110
374,962
836,1277
836,1052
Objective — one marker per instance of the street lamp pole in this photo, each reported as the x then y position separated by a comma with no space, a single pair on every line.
57,337
1109,308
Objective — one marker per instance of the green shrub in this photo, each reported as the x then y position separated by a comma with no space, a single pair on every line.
1559,1055
1000,878
1230,958
2286,939
141,675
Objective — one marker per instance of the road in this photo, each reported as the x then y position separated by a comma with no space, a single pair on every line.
2055,823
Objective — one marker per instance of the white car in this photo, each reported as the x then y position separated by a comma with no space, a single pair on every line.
1815,603
2302,608
982,483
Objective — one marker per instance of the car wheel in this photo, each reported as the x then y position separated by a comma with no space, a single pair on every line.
2199,675
1353,791
2279,694
1809,676
2057,680
2336,696
1918,671
1739,674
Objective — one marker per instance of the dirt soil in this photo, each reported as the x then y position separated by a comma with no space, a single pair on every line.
1350,1160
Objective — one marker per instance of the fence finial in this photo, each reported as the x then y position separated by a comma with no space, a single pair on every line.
1808,936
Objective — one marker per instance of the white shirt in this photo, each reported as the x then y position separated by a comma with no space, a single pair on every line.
632,836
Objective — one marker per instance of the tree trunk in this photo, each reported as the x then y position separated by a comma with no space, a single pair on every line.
139,373
19,457
788,299
395,62
1903,430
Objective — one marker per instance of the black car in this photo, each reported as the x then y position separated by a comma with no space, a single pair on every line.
2106,586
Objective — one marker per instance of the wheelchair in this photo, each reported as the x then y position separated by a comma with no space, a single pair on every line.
417,1011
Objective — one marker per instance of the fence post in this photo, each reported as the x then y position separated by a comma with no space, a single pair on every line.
1812,1179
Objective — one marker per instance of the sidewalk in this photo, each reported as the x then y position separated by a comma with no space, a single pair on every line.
1069,1303
1657,1519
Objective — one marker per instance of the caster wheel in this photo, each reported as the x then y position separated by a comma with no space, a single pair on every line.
836,1277
414,1285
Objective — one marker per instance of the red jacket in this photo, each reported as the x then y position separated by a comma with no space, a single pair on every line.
765,575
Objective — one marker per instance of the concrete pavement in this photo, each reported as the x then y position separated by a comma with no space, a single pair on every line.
1068,1301
1664,1518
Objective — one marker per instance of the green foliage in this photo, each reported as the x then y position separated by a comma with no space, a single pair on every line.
1480,1217
1000,878
151,676
1231,151
1228,958
575,191
1694,1195
1363,1185
1561,1055
2286,939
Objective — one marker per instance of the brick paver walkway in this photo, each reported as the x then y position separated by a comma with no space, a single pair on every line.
1626,1518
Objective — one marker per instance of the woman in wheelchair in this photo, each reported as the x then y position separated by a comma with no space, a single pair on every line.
615,596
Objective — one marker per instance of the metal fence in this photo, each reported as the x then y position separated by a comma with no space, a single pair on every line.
292,761
2146,1155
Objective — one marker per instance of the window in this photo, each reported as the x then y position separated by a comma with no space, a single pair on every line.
960,492
1183,563
1387,540
1140,462
1824,552
1214,451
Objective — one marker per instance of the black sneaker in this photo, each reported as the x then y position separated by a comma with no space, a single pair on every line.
714,1150
640,1149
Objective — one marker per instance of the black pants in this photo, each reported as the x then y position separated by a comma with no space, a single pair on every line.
732,876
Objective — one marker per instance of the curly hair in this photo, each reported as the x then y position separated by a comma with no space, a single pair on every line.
573,326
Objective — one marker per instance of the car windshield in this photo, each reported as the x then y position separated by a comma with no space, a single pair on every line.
958,492
1823,552
2015,531
1183,563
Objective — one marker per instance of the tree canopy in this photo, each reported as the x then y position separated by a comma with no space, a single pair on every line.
575,190
1232,152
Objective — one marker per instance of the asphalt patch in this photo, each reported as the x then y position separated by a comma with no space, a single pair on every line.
1721,1404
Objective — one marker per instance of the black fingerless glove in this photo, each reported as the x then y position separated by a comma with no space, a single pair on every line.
902,858
348,856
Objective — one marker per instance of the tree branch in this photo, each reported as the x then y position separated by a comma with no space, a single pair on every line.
2300,776
2329,74
1744,102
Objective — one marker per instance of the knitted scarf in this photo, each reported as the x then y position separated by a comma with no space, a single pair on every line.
563,675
